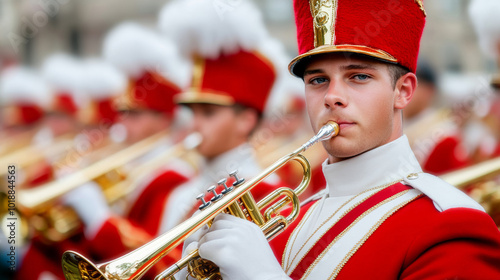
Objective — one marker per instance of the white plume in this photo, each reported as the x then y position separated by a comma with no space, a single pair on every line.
212,27
64,73
135,49
101,80
485,16
286,86
23,85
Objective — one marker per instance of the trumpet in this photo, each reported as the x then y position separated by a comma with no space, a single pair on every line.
58,223
478,181
236,200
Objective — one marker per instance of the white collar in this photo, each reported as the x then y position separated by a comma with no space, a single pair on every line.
382,165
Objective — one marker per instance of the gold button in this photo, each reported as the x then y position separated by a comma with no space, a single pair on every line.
412,176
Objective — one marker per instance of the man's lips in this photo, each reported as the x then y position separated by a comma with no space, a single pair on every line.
344,124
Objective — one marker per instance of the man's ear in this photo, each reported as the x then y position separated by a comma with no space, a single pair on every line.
247,121
405,88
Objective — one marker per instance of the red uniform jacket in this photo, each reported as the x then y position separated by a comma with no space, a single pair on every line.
419,242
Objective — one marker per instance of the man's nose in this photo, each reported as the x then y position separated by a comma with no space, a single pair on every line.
335,96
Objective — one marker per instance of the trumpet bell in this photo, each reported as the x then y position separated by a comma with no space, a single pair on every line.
76,266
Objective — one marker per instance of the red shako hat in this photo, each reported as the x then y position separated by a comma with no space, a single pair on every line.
101,84
153,66
151,91
63,72
387,30
230,63
23,96
244,77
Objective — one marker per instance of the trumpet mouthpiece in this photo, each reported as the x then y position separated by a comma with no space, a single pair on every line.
329,130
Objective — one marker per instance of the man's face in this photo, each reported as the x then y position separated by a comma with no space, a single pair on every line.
142,123
358,94
220,128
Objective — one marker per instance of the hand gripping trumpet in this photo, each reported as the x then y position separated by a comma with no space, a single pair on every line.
236,200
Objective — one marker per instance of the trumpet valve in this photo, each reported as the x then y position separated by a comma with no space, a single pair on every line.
204,204
237,180
213,190
222,182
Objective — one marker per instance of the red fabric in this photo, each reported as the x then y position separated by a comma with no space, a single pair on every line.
245,77
106,111
446,156
279,242
119,235
44,257
318,181
394,26
419,242
153,92
43,174
29,114
64,103
153,198
342,224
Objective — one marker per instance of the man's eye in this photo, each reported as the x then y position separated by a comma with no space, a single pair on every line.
317,81
361,77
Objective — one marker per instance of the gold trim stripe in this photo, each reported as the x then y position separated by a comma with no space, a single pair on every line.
318,259
368,234
421,5
196,96
343,214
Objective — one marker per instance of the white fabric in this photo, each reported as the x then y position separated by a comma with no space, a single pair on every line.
444,195
183,198
227,238
388,163
90,204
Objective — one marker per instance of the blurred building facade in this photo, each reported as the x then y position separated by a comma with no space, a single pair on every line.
30,30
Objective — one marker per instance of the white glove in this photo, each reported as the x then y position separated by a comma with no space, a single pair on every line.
240,249
89,202
190,244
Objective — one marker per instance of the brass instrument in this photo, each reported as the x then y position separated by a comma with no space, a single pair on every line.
33,153
138,174
477,181
56,222
11,143
236,200
464,177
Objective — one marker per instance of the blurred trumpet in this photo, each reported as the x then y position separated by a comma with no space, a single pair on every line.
479,182
32,154
236,200
40,202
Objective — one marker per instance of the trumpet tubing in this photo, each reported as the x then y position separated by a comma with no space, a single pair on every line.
480,186
136,263
58,223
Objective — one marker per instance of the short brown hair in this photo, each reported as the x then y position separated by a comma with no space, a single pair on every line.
396,71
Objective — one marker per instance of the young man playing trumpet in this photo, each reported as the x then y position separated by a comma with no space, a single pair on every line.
380,215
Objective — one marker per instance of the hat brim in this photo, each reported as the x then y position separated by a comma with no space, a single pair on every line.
495,81
298,64
193,97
